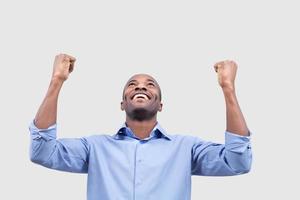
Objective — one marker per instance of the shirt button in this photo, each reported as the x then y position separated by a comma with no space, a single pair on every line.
139,160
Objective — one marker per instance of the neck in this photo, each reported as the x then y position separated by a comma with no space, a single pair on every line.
141,129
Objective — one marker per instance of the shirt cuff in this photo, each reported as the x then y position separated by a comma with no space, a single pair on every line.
47,133
237,143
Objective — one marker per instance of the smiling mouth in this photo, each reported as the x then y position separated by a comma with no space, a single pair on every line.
140,96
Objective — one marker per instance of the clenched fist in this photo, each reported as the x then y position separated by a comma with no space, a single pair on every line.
226,73
63,66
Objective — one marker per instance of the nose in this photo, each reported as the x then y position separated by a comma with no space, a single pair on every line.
140,87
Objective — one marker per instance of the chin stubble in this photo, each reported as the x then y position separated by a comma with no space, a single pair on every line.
141,114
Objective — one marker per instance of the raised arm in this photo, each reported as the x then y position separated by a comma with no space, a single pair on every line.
235,156
234,117
47,113
69,154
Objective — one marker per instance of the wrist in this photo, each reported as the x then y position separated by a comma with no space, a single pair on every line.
57,80
55,85
228,88
229,94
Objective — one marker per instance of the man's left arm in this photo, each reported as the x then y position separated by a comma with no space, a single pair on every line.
235,121
235,156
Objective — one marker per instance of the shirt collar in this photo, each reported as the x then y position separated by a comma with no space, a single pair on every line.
157,131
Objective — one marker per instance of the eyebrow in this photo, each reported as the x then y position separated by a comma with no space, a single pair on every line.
151,80
133,80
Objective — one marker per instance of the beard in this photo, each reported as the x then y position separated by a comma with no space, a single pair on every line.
141,114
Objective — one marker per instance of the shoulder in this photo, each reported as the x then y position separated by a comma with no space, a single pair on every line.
97,138
185,138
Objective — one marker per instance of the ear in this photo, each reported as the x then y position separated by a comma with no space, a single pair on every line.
160,107
122,105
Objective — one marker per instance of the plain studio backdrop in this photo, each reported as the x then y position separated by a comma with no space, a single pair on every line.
177,42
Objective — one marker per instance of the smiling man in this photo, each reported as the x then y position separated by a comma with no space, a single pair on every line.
140,161
141,102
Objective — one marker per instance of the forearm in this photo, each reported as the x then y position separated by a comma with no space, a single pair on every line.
47,112
235,121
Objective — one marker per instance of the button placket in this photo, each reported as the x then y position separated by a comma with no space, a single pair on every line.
139,162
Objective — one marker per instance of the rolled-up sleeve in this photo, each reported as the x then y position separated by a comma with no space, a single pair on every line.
232,158
61,154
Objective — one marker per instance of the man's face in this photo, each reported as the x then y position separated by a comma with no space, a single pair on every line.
141,97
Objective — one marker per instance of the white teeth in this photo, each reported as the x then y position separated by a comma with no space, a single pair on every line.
140,95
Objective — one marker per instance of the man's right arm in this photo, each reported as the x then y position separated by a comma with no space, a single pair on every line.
61,154
47,113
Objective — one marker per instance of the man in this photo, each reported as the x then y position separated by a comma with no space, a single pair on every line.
141,161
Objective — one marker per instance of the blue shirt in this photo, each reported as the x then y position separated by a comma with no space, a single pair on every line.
124,167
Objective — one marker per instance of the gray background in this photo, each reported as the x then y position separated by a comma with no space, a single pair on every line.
177,42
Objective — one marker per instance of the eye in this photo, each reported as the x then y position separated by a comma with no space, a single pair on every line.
131,84
151,84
